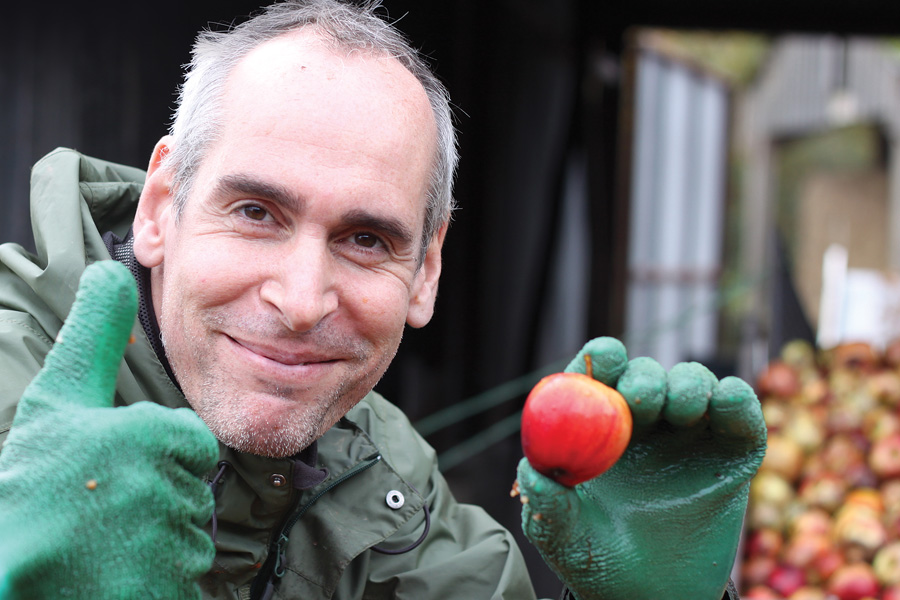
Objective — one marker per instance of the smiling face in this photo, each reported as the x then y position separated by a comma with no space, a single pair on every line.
283,288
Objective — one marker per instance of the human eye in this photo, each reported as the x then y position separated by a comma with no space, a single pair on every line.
363,247
255,212
367,240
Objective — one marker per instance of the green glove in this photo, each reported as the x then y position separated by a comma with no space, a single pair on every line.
664,521
100,502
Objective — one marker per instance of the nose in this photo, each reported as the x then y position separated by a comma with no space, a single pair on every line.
301,286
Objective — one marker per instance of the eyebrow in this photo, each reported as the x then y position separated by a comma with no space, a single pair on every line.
357,218
247,185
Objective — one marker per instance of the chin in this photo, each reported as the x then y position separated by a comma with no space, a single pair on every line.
276,422
269,443
263,428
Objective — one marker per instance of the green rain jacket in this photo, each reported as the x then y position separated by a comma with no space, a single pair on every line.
381,474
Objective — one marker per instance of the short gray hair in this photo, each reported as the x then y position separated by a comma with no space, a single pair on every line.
197,121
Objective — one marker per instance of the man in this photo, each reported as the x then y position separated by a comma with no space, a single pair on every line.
282,237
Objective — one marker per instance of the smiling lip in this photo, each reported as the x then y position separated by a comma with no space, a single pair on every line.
283,356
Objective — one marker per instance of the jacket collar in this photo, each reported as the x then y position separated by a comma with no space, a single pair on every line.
342,516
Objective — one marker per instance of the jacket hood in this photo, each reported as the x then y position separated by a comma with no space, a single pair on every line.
74,198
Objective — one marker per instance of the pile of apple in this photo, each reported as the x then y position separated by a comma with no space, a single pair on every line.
823,521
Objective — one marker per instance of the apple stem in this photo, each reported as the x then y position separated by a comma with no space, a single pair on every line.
589,368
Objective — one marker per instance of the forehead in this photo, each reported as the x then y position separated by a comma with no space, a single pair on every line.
300,89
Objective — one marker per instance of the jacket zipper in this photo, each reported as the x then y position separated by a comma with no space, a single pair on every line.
277,551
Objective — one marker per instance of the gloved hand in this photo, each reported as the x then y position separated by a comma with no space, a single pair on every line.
100,502
665,520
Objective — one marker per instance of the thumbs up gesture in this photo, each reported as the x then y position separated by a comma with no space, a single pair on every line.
95,501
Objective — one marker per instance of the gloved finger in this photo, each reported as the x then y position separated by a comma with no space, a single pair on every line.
608,360
690,387
643,385
735,412
179,434
186,494
81,367
198,557
180,559
549,510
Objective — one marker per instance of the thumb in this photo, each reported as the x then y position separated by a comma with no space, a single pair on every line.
81,367
549,510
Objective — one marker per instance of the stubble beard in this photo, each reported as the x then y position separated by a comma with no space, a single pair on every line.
242,422
248,427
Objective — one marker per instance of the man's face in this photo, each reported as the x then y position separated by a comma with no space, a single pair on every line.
283,289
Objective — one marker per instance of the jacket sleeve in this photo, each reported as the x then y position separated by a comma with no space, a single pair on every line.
23,346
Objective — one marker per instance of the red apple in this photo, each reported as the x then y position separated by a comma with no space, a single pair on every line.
786,579
841,452
574,427
812,520
884,458
767,541
760,592
892,592
756,570
854,582
778,379
825,564
801,551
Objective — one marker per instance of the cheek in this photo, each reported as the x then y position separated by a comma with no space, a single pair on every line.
380,305
211,270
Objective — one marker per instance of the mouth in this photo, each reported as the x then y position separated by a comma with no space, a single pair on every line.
282,355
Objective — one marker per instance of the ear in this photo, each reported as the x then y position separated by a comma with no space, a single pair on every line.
154,209
424,290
